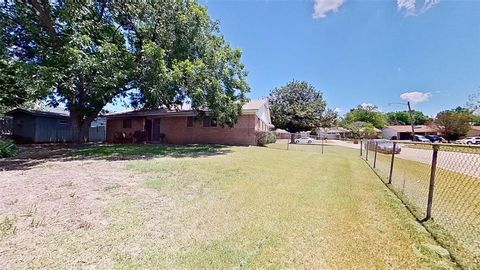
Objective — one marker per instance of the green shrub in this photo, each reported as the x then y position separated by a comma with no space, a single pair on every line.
265,137
7,148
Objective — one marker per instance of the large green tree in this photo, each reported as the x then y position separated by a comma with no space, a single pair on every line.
368,114
403,118
85,54
454,123
298,106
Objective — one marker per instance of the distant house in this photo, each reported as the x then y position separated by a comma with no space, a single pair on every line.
282,134
47,125
183,125
334,133
404,132
474,131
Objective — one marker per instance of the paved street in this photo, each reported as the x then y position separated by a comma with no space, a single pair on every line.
465,163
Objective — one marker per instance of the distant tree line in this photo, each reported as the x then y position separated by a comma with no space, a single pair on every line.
298,106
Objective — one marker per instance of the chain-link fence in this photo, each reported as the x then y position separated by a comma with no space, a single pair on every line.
440,183
301,144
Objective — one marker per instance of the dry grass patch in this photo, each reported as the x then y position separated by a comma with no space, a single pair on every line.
249,207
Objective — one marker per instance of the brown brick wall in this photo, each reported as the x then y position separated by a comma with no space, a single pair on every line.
177,132
116,125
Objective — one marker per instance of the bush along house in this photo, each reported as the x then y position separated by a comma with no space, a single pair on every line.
184,126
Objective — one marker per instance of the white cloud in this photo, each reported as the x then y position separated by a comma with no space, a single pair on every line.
415,96
322,7
411,8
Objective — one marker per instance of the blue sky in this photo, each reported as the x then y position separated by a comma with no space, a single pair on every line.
359,51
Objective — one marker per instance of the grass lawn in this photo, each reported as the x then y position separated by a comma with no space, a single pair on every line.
236,207
456,204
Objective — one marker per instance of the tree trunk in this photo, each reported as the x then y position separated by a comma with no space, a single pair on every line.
292,137
79,130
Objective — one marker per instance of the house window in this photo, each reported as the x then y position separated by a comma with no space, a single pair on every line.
127,123
189,121
208,121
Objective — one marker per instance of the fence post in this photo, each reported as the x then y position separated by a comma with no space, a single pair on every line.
431,187
366,156
322,144
375,157
361,148
391,163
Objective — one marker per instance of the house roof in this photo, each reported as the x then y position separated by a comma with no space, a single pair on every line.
278,130
254,104
45,112
408,128
334,130
184,110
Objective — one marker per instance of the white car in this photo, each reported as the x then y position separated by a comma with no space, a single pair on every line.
305,140
469,140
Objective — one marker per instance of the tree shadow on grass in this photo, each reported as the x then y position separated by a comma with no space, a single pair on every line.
33,155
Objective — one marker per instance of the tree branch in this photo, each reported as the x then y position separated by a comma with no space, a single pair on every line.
43,10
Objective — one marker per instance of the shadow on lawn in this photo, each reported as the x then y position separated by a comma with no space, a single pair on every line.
33,155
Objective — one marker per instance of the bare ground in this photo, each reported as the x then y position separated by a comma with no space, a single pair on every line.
56,197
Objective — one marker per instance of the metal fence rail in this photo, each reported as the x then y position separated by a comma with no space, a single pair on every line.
317,145
440,183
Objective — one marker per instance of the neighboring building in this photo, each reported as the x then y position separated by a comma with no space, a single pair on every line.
404,132
184,126
282,134
474,131
370,135
34,126
47,125
334,133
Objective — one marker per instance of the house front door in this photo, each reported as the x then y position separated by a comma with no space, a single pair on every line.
156,130
148,129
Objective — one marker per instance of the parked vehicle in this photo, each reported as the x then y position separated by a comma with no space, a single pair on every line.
304,140
420,138
469,140
435,138
383,146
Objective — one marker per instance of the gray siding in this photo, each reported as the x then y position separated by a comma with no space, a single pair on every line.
34,128
24,127
96,134
52,130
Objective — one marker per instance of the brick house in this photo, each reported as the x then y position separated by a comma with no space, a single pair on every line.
404,132
183,126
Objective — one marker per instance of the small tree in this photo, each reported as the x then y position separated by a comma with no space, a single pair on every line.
403,118
360,129
296,106
454,123
368,114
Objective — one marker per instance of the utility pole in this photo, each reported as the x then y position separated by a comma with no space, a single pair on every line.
411,120
411,117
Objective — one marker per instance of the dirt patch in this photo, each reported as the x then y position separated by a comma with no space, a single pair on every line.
55,197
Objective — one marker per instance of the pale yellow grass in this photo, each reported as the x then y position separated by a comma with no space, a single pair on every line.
247,207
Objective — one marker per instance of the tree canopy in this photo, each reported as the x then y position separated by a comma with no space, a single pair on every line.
298,106
89,53
454,123
403,118
367,114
